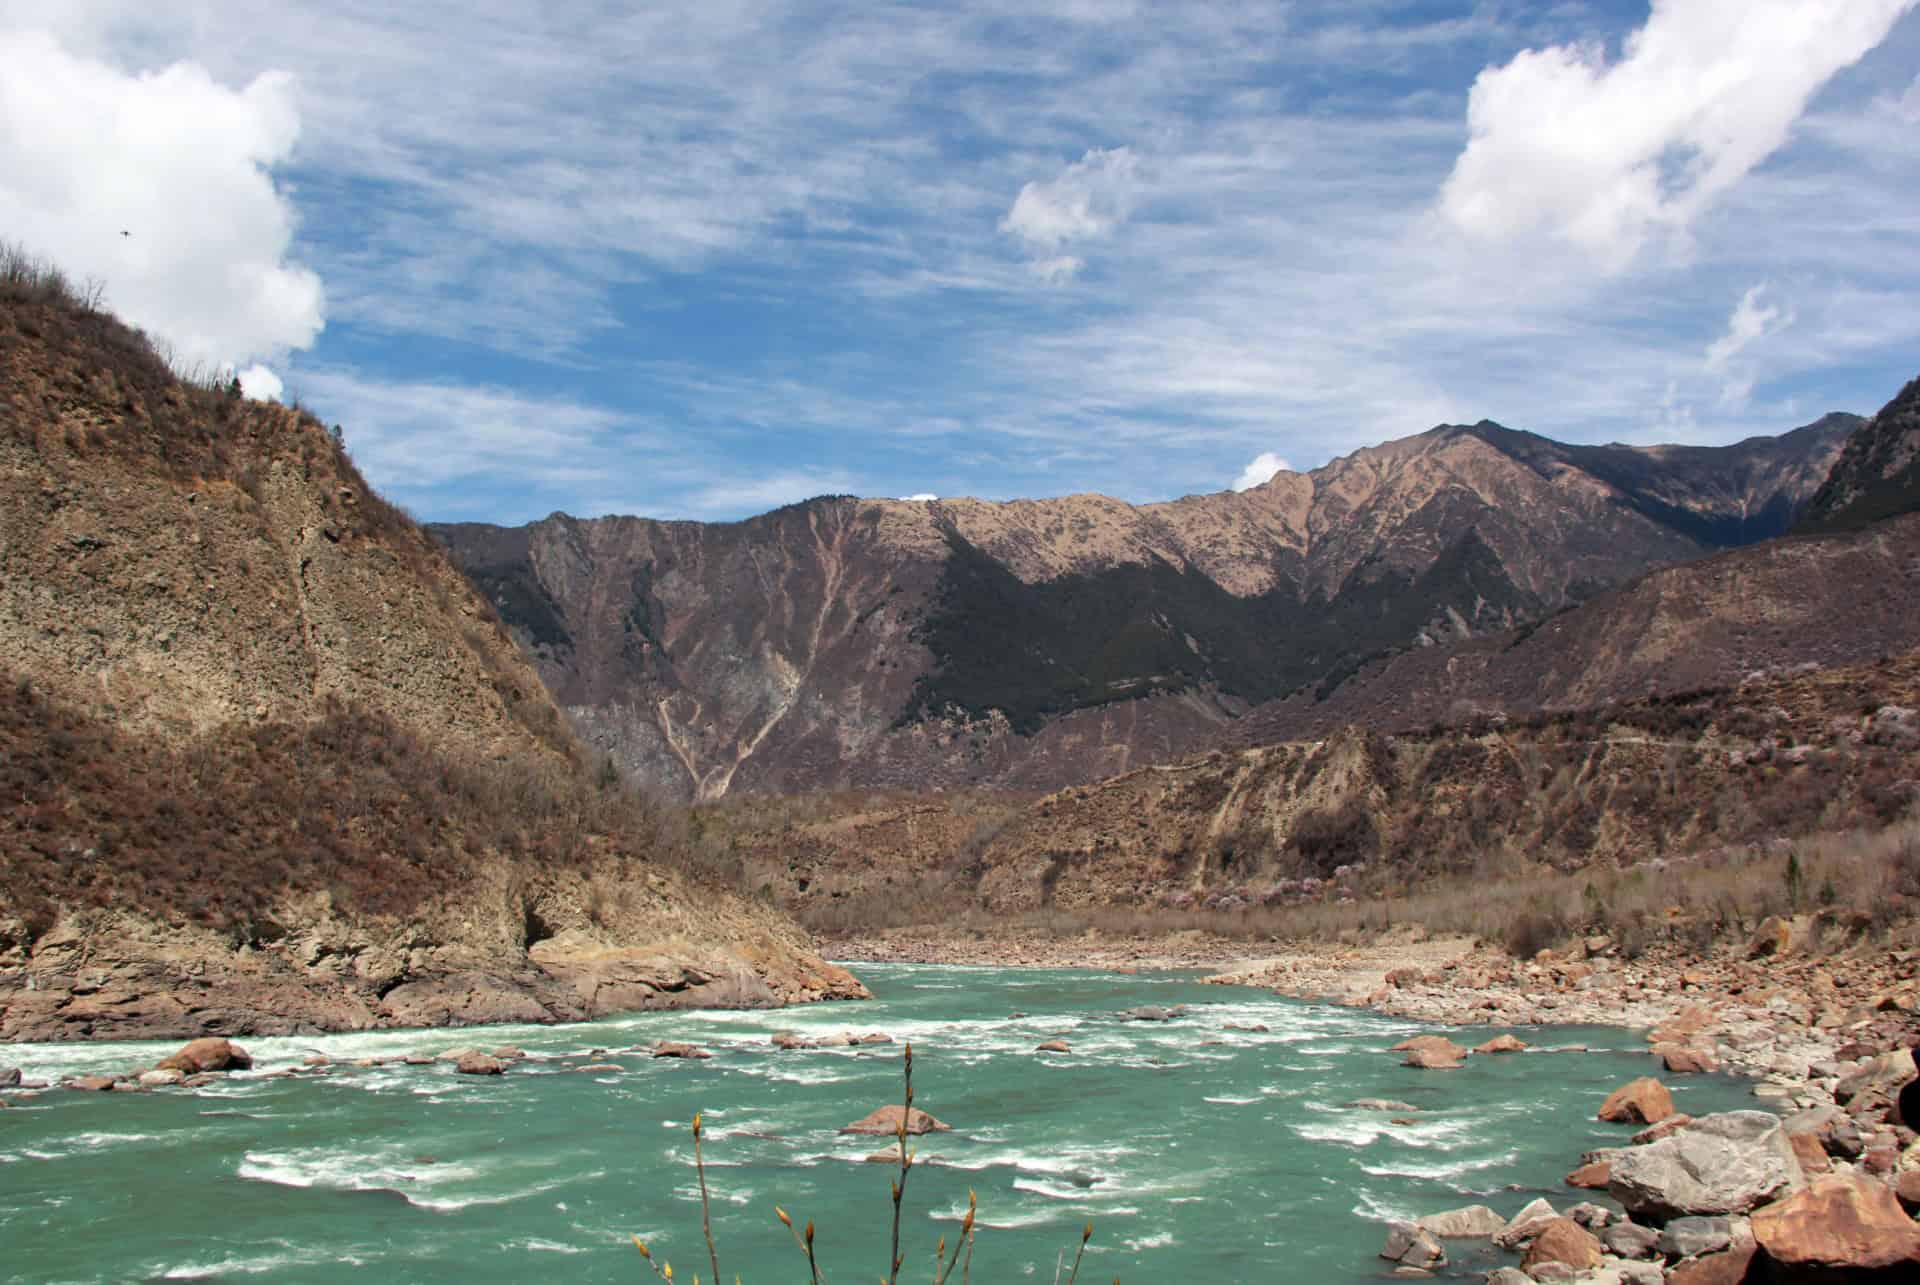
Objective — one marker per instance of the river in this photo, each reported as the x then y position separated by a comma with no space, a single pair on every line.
1197,1151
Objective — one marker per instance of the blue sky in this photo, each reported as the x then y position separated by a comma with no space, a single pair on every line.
701,260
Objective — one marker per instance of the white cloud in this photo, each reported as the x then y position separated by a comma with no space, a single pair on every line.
260,383
1751,320
1608,155
1085,201
1260,471
160,187
920,497
756,495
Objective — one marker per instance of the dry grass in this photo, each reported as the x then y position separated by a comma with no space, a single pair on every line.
1863,883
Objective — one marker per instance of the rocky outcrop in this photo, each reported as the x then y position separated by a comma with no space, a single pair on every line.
1877,473
880,643
273,766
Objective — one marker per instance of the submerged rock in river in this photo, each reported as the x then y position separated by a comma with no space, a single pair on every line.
209,1054
885,1122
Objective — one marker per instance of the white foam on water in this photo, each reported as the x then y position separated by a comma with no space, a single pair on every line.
986,1217
535,1245
1375,1209
1154,1240
1053,1190
249,1264
341,1170
1234,1102
1439,1172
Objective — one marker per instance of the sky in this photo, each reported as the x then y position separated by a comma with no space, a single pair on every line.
700,260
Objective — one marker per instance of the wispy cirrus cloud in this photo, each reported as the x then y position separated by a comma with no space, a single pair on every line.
689,257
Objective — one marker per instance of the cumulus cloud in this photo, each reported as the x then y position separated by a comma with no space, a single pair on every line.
1085,201
260,384
1605,155
1260,471
920,497
159,186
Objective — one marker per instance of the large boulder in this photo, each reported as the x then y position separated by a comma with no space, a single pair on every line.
209,1054
474,1062
1566,1242
677,1048
1723,1164
1644,1101
1471,1222
1412,1245
162,1078
885,1123
9,1077
1692,1237
1842,1222
1502,1044
1630,1240
1884,1072
1525,1225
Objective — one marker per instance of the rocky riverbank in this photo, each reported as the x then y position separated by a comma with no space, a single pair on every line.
1822,1187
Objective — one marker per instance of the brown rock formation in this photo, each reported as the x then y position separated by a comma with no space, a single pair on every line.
272,766
885,1122
1839,1222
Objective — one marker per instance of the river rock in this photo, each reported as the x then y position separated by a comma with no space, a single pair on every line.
1502,1044
92,1083
1692,1237
1644,1101
789,1041
891,1156
1630,1240
510,1053
1685,1059
162,1078
884,1122
9,1077
1508,1276
1723,1164
1473,1222
873,1037
1842,1222
600,1068
1592,1176
1774,936
474,1062
1431,1053
209,1054
1728,1267
1412,1245
1665,1129
1525,1225
1884,1072
1151,1013
675,1048
1564,1241
1053,1046
1380,1104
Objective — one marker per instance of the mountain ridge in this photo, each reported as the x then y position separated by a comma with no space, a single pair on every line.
837,642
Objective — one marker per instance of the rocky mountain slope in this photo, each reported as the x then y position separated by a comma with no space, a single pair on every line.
1781,755
846,642
1878,472
267,763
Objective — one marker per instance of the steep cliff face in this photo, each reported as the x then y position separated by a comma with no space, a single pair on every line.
1031,644
270,764
1878,472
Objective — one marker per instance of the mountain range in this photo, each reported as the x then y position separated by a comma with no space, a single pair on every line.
846,642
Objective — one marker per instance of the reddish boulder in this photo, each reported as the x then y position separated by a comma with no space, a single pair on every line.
674,1048
1432,1053
474,1062
1728,1267
1564,1241
885,1123
1683,1059
1591,1177
1053,1046
1841,1222
209,1054
1645,1101
1502,1044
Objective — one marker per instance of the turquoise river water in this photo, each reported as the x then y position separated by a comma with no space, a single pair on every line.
1197,1151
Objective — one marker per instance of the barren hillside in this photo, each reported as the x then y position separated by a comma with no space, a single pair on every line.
269,764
